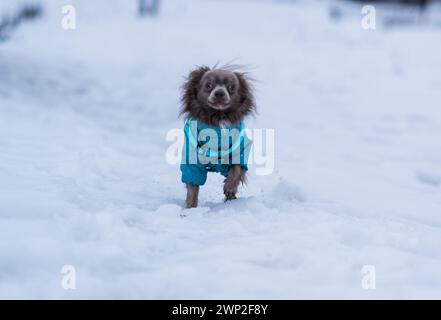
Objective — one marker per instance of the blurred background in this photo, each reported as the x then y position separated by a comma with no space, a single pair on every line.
14,12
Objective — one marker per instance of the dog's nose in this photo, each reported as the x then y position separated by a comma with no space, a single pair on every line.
219,94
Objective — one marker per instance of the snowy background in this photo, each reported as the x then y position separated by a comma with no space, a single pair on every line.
357,179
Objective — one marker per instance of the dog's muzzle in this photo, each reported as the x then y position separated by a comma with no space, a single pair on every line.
219,98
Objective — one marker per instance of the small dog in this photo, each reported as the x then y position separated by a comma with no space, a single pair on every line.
215,99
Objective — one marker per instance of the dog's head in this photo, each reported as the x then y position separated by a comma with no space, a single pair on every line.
215,95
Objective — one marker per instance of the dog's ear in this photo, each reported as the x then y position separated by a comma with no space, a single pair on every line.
247,101
190,87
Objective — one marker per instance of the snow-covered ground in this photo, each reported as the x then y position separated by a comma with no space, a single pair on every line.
84,182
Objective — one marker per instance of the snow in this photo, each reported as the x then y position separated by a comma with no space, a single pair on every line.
84,181
9,7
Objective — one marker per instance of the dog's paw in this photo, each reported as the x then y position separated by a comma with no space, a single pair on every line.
229,197
230,190
191,203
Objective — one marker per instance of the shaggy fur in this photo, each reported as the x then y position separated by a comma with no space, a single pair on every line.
215,96
196,108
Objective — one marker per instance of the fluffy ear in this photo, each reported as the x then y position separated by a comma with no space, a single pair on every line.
190,88
248,103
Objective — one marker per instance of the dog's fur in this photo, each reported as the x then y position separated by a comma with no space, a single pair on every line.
217,96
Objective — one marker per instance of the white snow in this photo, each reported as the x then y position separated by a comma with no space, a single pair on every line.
84,181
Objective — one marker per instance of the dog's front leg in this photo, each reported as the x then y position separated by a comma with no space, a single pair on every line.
236,175
192,196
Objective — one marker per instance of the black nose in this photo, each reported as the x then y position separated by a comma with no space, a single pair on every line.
219,94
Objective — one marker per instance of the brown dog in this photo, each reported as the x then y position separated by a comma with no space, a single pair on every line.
217,98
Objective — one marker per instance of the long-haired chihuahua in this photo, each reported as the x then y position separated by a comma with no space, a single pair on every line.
215,102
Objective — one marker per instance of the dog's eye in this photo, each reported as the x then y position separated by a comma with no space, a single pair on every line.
208,86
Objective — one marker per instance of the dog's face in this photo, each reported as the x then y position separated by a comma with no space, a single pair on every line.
218,89
215,95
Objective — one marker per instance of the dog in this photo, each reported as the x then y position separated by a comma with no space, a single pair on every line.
215,100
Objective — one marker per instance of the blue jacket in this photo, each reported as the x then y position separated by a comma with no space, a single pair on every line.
212,149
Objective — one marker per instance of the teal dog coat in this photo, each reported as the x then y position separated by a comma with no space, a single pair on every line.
212,149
